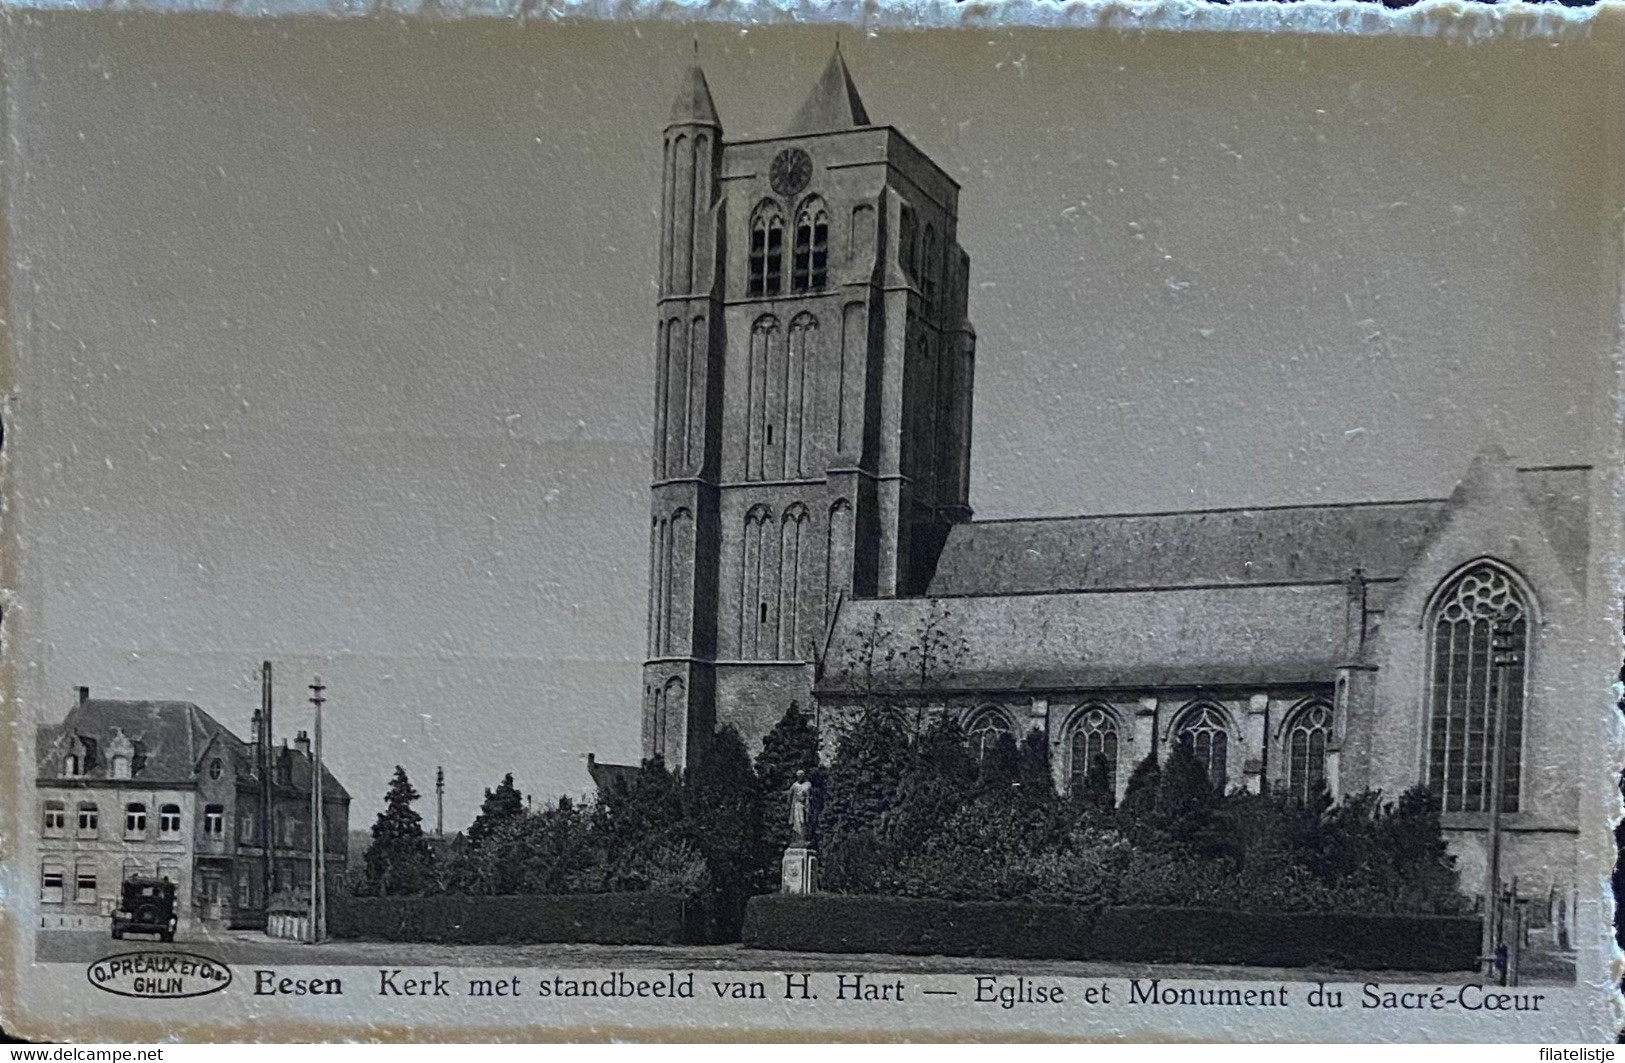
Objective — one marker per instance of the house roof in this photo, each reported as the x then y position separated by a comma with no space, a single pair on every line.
1214,636
606,776
1286,544
169,740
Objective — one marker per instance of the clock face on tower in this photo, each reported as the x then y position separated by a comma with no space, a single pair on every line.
791,171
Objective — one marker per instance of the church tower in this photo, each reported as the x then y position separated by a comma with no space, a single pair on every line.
812,428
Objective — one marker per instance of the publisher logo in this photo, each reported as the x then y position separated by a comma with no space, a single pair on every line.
159,975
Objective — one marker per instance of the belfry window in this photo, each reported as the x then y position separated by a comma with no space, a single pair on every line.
810,270
1478,656
1202,731
766,275
986,730
1094,752
1306,738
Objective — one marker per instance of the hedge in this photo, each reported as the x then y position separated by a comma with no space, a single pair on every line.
916,926
598,918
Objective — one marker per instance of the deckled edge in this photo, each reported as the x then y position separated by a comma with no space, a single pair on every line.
16,724
1449,19
1615,583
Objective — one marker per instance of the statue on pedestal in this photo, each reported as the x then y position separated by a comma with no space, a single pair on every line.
800,868
800,810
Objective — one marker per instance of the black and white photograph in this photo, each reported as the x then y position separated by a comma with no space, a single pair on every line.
953,529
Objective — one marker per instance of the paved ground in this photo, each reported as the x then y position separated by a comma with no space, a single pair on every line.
250,948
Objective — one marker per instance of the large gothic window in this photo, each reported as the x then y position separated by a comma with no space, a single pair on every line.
766,250
1306,736
987,727
1094,750
1477,650
810,270
1203,731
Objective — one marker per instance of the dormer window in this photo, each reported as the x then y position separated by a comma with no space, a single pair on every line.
766,276
121,766
72,766
811,266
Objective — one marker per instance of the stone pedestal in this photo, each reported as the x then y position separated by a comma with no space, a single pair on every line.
800,870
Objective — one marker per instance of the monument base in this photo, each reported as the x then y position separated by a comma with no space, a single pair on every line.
800,870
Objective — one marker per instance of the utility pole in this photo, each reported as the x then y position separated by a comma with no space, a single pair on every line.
318,856
1505,657
439,802
268,783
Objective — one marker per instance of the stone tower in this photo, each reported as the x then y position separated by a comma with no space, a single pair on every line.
813,400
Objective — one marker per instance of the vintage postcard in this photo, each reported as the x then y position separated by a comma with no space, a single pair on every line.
1091,522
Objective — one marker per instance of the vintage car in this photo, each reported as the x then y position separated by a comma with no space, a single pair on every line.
147,906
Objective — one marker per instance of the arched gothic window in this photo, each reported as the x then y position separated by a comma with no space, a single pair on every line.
1094,748
1477,660
1306,736
792,581
767,250
1203,731
986,728
758,586
764,399
811,264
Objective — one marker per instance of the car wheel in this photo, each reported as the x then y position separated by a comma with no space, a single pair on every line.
167,935
118,935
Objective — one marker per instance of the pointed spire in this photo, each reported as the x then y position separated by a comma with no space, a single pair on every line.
694,105
833,103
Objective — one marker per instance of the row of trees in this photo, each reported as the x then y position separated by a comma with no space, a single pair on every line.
714,831
916,814
906,808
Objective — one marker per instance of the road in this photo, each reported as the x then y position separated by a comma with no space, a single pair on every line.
241,948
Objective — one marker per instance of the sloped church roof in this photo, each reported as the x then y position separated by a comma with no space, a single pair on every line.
1287,544
1196,598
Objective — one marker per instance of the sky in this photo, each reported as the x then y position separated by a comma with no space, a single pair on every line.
334,340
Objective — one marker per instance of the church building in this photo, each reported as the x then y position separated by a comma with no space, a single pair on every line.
811,538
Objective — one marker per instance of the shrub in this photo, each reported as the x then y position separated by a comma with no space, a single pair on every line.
921,926
609,919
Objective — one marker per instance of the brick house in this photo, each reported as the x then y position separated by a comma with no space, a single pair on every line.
161,788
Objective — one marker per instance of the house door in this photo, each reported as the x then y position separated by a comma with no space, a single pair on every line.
213,910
